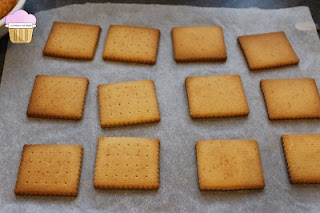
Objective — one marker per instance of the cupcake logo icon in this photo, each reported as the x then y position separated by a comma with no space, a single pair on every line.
20,25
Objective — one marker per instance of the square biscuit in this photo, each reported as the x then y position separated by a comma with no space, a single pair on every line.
127,163
229,165
302,156
58,97
291,98
70,40
49,169
132,44
128,103
198,43
216,96
267,50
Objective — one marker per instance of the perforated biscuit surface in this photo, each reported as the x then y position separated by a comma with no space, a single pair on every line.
49,170
291,98
58,97
127,163
70,40
216,96
267,50
128,103
198,43
229,165
132,44
302,153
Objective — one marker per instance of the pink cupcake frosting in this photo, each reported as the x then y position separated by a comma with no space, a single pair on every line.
21,16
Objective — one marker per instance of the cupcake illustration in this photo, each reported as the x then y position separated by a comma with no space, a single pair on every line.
20,25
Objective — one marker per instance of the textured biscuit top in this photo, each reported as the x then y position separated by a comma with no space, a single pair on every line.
70,40
58,97
132,44
127,163
303,157
128,103
291,98
229,165
198,43
49,169
216,96
267,50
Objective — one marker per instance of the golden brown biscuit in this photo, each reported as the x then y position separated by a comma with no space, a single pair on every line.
303,159
49,169
6,6
216,96
127,163
198,43
229,165
132,44
291,98
128,103
58,97
70,40
267,50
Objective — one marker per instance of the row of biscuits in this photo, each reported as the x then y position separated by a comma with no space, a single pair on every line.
133,163
140,45
135,102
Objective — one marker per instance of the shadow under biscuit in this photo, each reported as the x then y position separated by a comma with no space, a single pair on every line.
133,127
45,199
199,63
52,120
127,192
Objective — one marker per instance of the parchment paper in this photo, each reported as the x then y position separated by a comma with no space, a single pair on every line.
179,189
